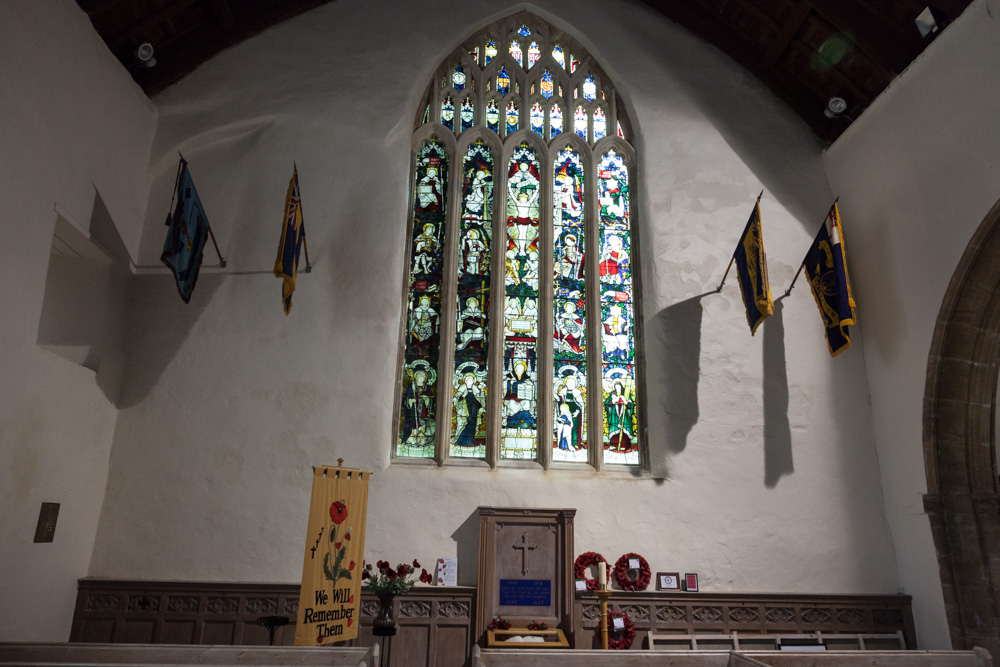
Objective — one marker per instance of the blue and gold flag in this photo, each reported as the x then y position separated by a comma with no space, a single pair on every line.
826,268
751,268
185,242
292,232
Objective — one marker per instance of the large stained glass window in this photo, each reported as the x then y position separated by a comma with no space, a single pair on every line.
617,343
569,345
418,417
478,385
519,415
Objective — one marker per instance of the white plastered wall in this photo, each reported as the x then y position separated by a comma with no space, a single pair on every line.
73,123
228,402
917,174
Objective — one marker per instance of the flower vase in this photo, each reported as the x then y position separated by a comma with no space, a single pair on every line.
384,624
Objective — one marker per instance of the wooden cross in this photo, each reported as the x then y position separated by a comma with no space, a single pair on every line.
525,548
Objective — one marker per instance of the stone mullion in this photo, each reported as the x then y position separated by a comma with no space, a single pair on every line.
595,351
546,299
494,397
449,292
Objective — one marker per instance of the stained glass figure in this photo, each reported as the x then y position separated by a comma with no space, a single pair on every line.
580,122
503,81
600,124
468,416
420,356
559,56
490,51
458,78
534,53
523,31
468,114
547,84
537,117
448,113
515,51
513,117
589,88
555,120
617,323
518,422
569,423
493,116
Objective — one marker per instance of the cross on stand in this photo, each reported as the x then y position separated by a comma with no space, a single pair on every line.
525,548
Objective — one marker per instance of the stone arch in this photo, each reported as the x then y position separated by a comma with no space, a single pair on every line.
962,501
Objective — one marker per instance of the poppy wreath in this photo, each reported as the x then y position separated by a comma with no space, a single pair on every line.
623,573
583,561
618,640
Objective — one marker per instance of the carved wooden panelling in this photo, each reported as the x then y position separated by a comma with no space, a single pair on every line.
692,613
435,623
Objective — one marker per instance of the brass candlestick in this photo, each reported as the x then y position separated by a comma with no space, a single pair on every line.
603,594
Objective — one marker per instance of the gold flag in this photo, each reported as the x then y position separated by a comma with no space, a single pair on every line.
331,568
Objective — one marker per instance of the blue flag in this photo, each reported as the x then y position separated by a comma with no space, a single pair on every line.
751,268
185,241
292,232
826,268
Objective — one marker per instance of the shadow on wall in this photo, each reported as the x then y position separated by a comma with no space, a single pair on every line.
678,329
777,432
467,543
159,324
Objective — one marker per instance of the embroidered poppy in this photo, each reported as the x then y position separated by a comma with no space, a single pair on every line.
338,512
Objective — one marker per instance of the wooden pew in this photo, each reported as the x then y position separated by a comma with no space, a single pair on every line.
978,657
168,655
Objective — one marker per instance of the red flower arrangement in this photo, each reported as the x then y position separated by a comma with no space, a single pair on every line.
583,561
392,581
632,579
618,640
535,625
499,623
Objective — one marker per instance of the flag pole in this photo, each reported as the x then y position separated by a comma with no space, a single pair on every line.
788,291
733,258
222,260
305,244
177,183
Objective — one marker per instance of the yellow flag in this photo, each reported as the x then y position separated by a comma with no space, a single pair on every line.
331,568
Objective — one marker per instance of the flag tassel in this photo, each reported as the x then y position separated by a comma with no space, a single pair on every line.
222,260
305,246
788,291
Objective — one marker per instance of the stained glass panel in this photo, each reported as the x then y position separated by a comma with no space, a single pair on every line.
427,115
490,52
513,117
458,78
523,31
555,121
515,51
580,122
468,114
468,414
573,63
589,88
417,424
617,322
534,53
559,56
569,347
493,116
448,113
475,54
503,81
600,124
620,133
518,421
547,84
537,117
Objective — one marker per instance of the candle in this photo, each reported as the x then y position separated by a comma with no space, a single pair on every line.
602,575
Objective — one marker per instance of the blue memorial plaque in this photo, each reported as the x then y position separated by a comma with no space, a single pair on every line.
525,592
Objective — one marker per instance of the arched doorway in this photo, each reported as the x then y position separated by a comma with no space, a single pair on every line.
962,499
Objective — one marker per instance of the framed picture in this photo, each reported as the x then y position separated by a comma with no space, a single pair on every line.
668,581
691,582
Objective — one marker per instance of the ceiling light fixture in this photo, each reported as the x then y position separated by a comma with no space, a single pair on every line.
144,54
835,107
931,22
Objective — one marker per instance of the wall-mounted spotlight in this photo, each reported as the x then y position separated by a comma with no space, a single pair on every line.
931,22
835,107
144,54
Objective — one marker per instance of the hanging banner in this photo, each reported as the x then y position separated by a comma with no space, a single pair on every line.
331,568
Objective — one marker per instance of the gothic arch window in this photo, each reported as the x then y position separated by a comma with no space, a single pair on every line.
519,339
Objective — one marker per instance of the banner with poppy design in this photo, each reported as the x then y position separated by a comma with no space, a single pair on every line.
330,597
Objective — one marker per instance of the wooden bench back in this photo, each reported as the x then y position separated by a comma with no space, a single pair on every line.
162,655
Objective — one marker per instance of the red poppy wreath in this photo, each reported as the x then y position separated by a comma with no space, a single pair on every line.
618,640
630,578
583,561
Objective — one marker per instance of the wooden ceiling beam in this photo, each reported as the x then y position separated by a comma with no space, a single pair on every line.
785,35
223,14
134,33
887,43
